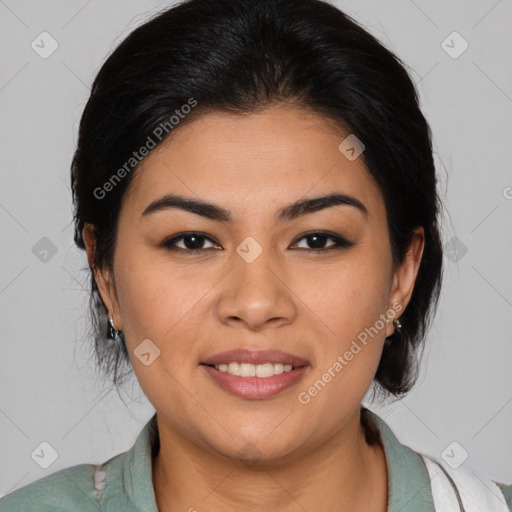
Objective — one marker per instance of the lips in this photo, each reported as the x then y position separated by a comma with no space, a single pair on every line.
255,388
255,357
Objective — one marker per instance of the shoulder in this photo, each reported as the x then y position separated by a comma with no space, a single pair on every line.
506,489
65,490
429,483
123,482
78,487
464,484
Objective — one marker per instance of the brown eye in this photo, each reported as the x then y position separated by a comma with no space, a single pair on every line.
190,242
317,241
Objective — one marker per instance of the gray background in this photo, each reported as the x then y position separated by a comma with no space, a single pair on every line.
48,387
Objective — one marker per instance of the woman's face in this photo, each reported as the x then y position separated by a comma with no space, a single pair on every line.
251,283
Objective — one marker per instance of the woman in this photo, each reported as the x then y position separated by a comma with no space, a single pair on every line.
255,190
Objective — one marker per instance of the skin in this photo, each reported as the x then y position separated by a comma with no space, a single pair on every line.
192,306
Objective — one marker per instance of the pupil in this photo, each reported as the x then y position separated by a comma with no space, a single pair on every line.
197,245
320,238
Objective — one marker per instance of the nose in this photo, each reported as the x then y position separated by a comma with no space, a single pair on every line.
256,295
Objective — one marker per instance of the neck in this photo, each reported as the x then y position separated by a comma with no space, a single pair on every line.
342,473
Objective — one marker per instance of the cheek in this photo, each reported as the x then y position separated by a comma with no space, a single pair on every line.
349,309
348,297
159,304
348,302
158,301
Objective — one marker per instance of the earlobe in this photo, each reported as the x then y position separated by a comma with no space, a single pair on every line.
405,274
90,242
103,277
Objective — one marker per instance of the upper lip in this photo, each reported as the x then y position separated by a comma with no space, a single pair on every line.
255,357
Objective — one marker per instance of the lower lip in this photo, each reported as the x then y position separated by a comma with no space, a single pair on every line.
255,387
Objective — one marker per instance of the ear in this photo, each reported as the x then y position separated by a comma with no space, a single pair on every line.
104,278
405,275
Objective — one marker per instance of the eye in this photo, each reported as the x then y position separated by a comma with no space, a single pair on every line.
195,242
192,242
318,239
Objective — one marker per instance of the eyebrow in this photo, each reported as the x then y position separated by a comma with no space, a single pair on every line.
290,212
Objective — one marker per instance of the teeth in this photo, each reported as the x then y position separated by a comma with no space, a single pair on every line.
254,370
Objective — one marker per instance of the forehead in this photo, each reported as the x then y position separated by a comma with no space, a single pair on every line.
274,156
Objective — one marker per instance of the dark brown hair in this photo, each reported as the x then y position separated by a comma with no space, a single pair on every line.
237,56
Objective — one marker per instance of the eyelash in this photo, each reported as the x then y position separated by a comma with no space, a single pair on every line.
340,242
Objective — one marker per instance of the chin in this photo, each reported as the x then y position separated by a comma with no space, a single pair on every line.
257,448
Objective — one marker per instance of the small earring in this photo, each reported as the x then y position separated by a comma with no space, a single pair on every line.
112,332
397,324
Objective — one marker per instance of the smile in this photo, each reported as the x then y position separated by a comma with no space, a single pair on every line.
255,382
254,370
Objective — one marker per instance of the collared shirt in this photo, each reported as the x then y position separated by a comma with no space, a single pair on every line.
124,483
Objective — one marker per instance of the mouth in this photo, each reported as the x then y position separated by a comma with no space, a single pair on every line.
255,374
262,371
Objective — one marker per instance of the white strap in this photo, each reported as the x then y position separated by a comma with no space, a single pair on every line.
472,494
